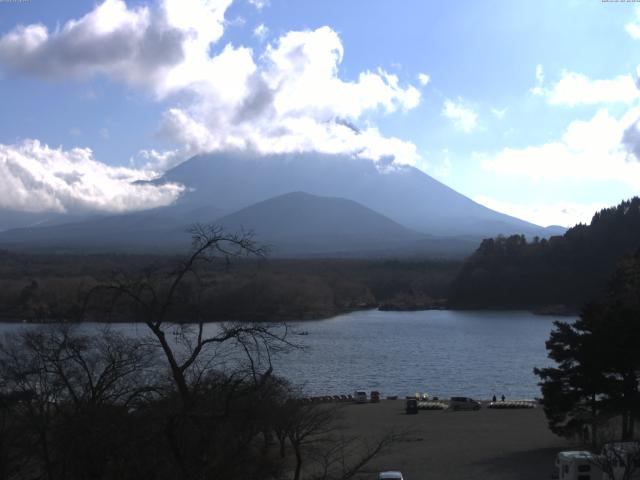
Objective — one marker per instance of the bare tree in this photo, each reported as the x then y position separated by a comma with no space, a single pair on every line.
222,417
155,296
618,460
321,449
621,460
348,456
169,302
56,386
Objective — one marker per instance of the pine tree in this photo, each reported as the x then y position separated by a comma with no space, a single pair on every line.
598,362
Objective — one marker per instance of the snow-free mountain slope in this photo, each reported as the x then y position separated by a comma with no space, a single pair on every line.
404,194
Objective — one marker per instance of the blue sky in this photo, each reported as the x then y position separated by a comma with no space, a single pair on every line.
530,108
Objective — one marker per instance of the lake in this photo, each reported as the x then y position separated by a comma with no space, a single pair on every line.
442,352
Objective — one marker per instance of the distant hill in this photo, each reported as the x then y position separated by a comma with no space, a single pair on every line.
300,224
568,270
293,225
299,216
154,230
10,219
404,194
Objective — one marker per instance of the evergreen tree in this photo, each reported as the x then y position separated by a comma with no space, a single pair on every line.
572,391
598,362
568,270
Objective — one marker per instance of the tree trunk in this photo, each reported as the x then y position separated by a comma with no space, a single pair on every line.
594,412
298,453
282,442
176,372
45,452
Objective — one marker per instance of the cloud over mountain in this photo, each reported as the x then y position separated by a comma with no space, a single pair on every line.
287,98
36,178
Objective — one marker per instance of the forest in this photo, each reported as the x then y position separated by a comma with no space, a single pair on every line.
555,275
48,287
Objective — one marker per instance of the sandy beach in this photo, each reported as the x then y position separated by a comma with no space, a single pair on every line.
486,444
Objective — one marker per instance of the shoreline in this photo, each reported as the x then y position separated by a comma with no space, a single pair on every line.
542,312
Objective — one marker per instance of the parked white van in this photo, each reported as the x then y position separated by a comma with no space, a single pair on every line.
615,457
360,396
577,465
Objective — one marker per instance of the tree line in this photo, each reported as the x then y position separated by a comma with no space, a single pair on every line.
42,288
568,270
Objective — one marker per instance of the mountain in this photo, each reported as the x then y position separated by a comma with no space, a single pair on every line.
292,225
16,219
301,215
566,270
298,223
405,194
352,207
157,229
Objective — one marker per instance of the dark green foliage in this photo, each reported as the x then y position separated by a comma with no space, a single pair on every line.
598,361
568,270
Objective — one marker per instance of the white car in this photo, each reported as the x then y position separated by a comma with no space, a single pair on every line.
360,397
390,476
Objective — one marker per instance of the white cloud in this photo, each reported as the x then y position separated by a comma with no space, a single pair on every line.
260,32
35,178
259,4
165,48
499,113
633,28
292,101
155,162
576,89
566,214
423,78
538,89
442,167
539,74
288,98
462,115
295,134
588,151
302,67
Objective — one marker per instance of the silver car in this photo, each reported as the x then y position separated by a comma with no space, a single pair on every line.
464,403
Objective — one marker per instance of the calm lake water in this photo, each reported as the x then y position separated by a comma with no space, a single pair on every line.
442,352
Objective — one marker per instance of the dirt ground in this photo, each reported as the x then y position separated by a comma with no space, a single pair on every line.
446,445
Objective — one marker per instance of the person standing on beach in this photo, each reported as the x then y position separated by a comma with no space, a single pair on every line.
494,398
503,398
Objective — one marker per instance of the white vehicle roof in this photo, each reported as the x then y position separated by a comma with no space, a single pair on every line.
390,475
575,454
